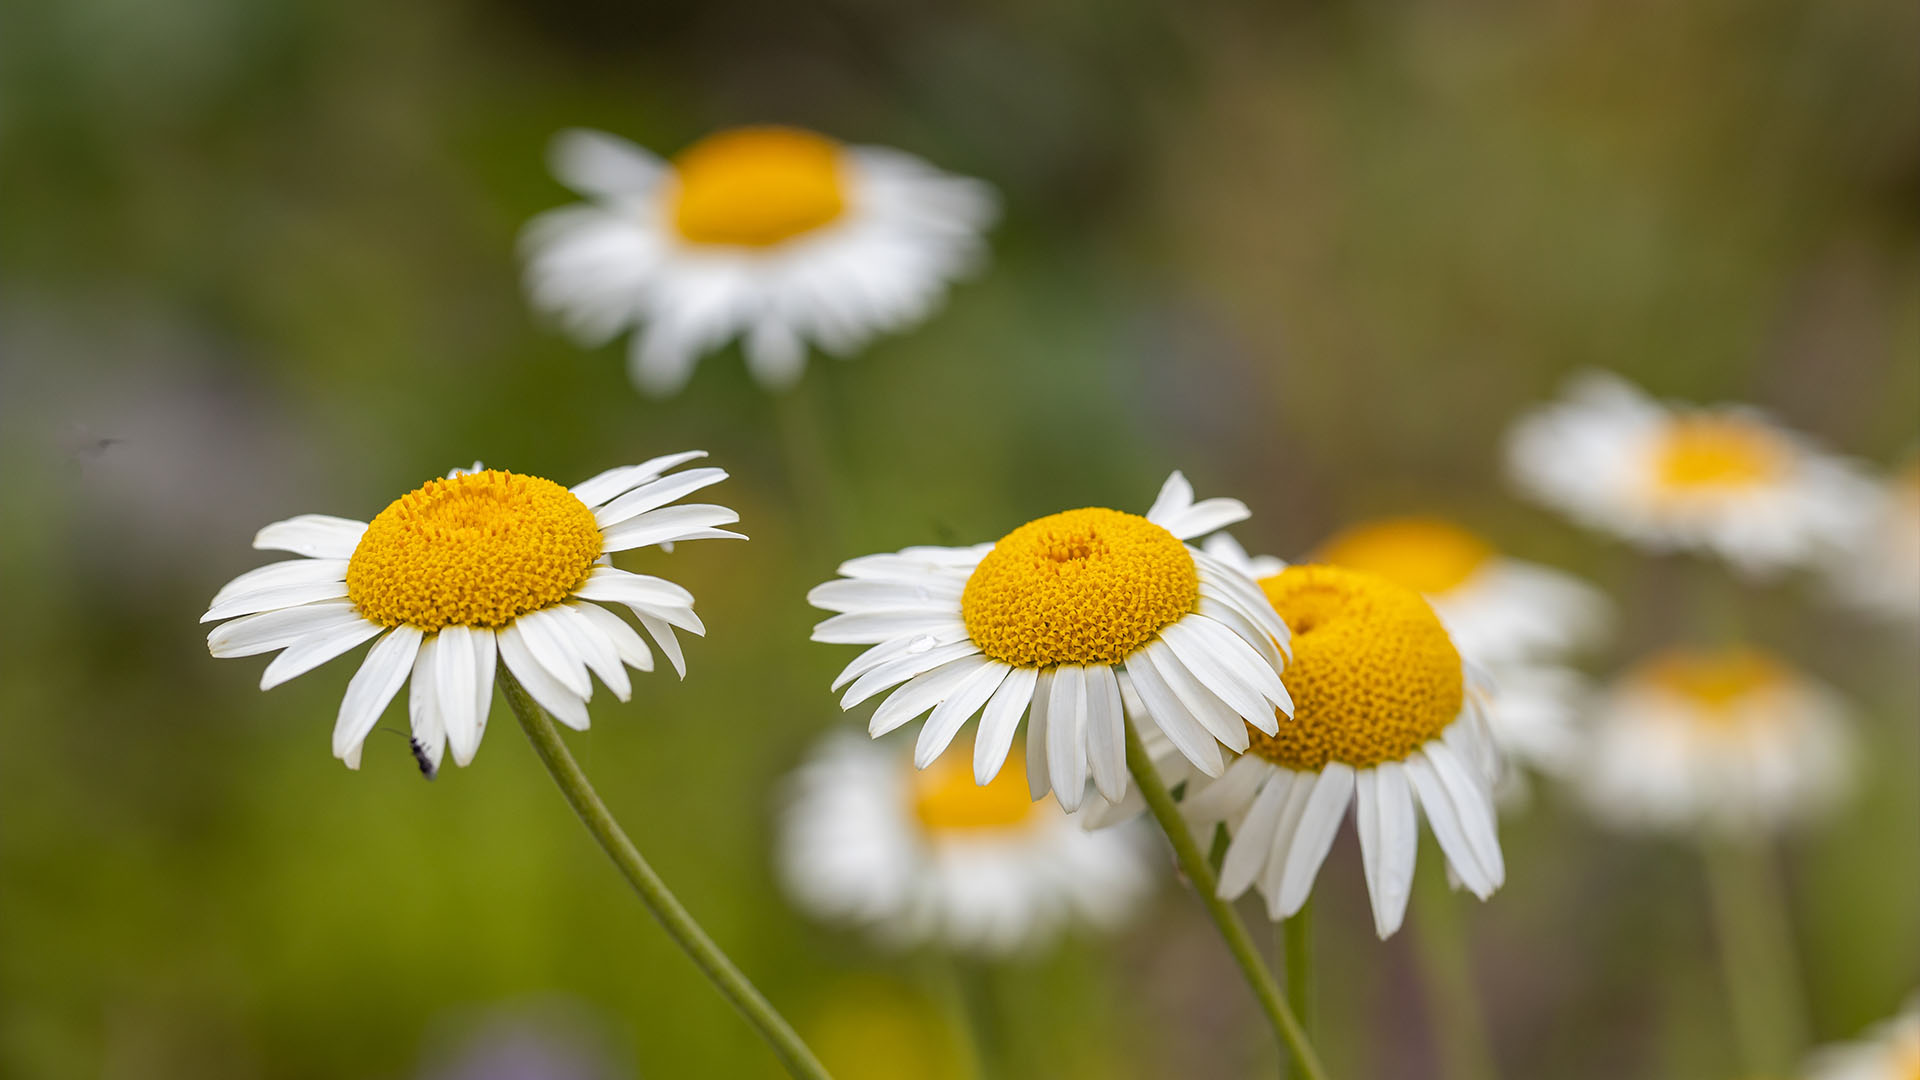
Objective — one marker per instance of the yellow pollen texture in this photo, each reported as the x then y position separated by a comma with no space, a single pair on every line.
1705,451
1374,675
1427,555
1082,587
1713,679
476,550
757,186
945,798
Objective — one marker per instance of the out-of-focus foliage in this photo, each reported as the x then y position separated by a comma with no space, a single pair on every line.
258,259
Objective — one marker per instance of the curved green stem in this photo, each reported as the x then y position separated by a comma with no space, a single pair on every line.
1297,933
1193,862
680,926
1756,953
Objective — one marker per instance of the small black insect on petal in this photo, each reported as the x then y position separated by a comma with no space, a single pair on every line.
427,768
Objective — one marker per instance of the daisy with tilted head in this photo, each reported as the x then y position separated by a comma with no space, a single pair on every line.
783,237
1042,622
928,856
1515,623
1725,480
1880,571
1386,722
480,564
1889,1051
1727,739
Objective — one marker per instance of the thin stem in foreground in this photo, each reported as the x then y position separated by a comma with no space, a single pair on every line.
793,1053
1756,954
1193,862
1296,936
1446,975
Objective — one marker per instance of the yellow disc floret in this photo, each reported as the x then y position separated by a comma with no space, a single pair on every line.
475,550
1707,451
1428,555
1714,679
757,186
945,798
1082,587
1374,674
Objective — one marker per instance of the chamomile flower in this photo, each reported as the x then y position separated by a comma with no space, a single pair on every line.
1047,618
1727,738
1890,1051
477,566
928,856
1670,477
781,236
1512,622
1880,571
1385,722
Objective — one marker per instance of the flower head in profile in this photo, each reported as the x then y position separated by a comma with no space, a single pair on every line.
1889,1051
478,565
780,236
1724,480
1384,721
928,856
1728,738
1044,622
1514,622
1880,571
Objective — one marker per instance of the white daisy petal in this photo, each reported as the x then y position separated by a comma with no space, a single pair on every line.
315,649
1444,819
611,484
549,692
1389,841
272,630
1066,735
1313,837
1172,717
602,165
923,692
1220,720
453,652
869,628
317,536
289,572
274,597
550,647
994,737
655,494
662,634
371,688
423,714
670,524
1038,782
947,717
1252,843
1106,732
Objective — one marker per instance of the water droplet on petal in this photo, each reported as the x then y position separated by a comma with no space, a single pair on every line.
921,643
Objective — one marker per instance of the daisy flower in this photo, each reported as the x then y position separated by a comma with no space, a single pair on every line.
1047,618
1731,738
1890,1051
781,236
1670,477
1384,722
1880,571
477,565
1509,619
929,856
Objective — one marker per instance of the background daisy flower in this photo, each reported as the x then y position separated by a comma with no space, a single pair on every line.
1890,1051
1880,571
1727,738
479,565
928,856
1669,477
781,236
1384,722
1047,617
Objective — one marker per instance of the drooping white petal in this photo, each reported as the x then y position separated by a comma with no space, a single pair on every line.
894,648
626,640
317,536
1389,841
593,647
1252,843
947,717
551,694
272,630
1231,793
315,649
368,692
998,721
1313,838
662,634
1230,668
923,692
1187,734
903,667
1220,720
454,671
1473,804
550,647
1066,736
423,715
1444,819
1037,782
1106,733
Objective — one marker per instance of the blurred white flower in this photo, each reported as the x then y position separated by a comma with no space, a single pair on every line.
928,856
1046,619
1880,572
781,236
463,570
1730,739
1890,1051
1668,477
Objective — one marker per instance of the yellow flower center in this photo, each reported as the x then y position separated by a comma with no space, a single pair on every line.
476,550
945,798
1428,555
1082,587
1705,451
1714,679
757,186
1374,675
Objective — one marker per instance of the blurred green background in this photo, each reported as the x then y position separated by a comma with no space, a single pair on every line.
258,260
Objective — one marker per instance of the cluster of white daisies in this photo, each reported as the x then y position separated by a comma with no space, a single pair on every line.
1390,677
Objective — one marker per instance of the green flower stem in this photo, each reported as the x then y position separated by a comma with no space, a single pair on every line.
1446,972
1756,954
1297,933
1193,862
713,963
